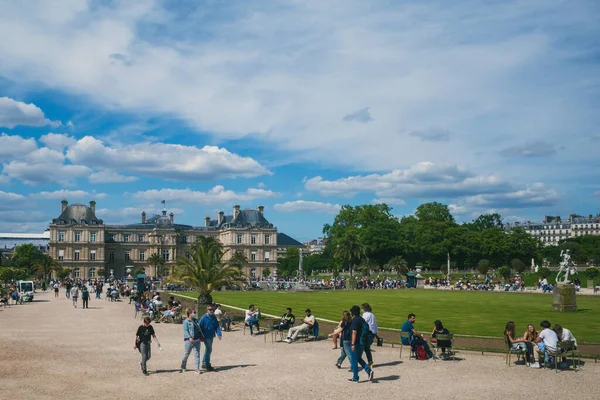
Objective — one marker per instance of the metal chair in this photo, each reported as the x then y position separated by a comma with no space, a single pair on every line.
568,347
447,339
518,351
406,335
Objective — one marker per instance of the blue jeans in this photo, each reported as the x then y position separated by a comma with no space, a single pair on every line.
188,346
207,350
253,321
345,352
356,359
146,354
542,347
97,294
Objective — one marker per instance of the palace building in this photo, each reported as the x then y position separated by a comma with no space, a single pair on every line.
86,244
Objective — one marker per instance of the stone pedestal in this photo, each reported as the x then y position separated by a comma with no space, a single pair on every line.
564,298
590,283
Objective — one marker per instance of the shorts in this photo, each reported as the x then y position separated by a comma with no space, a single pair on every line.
56,290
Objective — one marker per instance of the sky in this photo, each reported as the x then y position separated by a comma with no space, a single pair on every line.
298,106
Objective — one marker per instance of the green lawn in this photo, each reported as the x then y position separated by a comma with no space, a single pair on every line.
466,313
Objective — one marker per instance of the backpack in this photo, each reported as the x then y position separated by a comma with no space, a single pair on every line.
421,353
366,337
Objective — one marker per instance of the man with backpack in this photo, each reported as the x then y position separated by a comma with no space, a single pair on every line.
359,339
415,339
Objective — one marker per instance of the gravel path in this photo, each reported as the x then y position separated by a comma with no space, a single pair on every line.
51,350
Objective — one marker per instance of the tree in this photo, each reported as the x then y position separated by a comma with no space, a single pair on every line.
63,273
486,221
288,264
101,272
157,262
45,266
266,272
518,265
483,266
6,274
350,251
544,272
398,265
504,272
205,271
26,256
434,212
238,260
592,273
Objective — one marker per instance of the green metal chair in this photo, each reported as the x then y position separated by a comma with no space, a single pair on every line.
567,348
407,336
449,338
510,351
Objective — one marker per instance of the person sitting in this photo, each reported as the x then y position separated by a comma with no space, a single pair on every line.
438,329
547,340
252,318
519,344
414,337
564,335
338,331
531,334
287,320
307,323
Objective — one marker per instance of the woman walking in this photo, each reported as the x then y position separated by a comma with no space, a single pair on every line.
345,338
143,340
191,340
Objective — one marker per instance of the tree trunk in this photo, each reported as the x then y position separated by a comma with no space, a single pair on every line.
205,299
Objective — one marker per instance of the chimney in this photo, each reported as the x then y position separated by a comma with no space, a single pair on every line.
261,210
143,217
171,217
207,221
93,206
220,219
236,211
64,205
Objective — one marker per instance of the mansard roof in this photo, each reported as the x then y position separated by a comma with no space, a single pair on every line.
155,222
248,218
77,214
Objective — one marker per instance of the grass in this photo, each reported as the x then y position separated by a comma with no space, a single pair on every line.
463,313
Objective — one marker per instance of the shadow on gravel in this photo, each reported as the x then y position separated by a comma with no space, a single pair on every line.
386,378
163,371
41,301
389,364
228,367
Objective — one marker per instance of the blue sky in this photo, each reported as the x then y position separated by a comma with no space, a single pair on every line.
298,106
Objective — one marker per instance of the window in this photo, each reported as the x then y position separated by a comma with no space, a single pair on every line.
253,239
61,236
92,236
187,255
142,255
140,238
76,255
165,255
184,239
253,272
111,237
77,236
76,272
61,255
267,239
239,238
92,255
111,255
267,256
127,255
92,272
126,237
253,256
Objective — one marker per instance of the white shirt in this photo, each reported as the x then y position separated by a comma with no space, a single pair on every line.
218,314
549,337
250,315
369,318
567,335
74,291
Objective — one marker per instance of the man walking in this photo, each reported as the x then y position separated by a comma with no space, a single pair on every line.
210,327
85,297
370,319
191,341
74,295
358,326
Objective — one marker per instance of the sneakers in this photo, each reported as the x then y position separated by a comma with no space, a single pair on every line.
338,366
371,375
534,365
208,367
182,370
289,340
352,380
198,372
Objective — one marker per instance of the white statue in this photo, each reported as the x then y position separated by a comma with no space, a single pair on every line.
566,267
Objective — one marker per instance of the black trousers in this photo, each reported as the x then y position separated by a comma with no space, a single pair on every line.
85,303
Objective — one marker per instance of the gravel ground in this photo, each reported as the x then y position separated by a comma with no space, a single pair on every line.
49,350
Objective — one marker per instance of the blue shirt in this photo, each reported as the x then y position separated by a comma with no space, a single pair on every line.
407,327
188,329
210,326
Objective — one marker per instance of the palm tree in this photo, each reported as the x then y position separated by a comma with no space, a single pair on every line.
397,264
238,260
157,262
350,250
45,266
204,270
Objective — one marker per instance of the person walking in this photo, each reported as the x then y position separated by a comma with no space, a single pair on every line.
56,287
85,297
370,319
74,295
210,327
191,340
358,326
143,340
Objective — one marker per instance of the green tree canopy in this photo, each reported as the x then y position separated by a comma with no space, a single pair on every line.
435,211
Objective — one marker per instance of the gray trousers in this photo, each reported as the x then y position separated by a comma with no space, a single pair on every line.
188,347
145,350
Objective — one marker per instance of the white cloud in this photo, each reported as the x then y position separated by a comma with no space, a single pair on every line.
167,161
216,195
10,201
15,146
45,155
68,195
35,174
307,206
58,141
390,201
110,177
13,113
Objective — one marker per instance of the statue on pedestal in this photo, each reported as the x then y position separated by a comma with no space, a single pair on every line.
567,267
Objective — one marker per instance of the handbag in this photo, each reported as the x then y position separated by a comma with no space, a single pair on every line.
198,334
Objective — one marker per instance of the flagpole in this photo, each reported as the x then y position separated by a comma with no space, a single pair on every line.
448,265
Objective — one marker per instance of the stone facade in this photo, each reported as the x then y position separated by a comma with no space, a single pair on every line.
553,229
84,243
